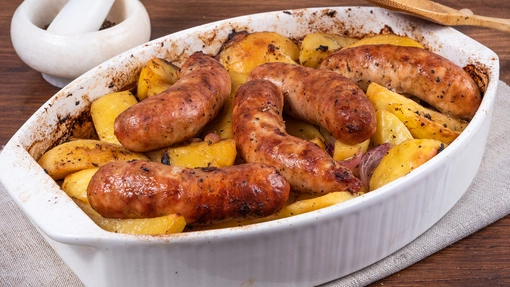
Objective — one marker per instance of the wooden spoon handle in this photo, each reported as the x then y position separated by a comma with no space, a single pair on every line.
490,22
441,14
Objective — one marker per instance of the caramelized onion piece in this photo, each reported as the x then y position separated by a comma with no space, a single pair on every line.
369,161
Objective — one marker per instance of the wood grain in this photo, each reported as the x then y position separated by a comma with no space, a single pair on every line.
482,259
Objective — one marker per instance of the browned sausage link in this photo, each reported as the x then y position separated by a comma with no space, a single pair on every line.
324,98
259,131
142,189
179,112
424,74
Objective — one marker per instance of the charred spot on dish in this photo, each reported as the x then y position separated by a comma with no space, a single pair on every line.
479,74
386,30
68,127
330,13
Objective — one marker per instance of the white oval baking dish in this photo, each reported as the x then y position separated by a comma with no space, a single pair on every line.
304,250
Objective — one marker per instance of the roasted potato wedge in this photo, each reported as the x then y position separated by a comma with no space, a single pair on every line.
389,129
105,110
317,46
421,127
304,205
304,131
382,98
155,77
81,154
201,154
404,158
75,184
168,224
245,51
222,123
391,39
342,151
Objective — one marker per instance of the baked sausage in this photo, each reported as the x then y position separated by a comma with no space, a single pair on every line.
410,70
323,98
259,132
179,112
144,189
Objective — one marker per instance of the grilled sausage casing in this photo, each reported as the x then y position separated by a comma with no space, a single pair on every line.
259,131
144,189
411,70
179,112
323,98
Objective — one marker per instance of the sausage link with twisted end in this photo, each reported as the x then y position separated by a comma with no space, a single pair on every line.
179,112
259,132
143,189
411,70
323,98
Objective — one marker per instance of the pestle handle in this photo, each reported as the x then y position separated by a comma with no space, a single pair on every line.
81,16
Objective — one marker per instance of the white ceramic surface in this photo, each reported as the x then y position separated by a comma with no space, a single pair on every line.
60,57
304,250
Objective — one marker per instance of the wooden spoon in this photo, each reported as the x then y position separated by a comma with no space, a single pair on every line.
441,14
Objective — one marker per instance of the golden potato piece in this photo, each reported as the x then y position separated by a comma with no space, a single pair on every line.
310,204
75,184
391,39
382,98
82,154
245,51
301,129
155,155
404,158
342,151
389,129
157,89
168,224
304,131
317,46
222,123
105,110
202,154
421,127
319,142
156,76
275,55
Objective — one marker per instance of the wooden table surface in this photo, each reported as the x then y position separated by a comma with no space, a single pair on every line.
482,259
